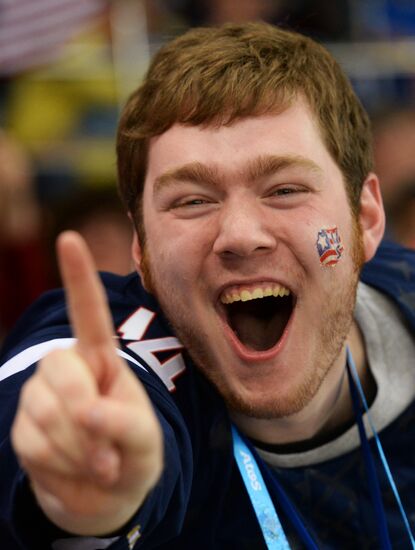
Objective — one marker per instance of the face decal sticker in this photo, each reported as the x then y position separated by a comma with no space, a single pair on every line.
329,246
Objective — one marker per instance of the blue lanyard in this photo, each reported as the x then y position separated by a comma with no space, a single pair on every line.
370,469
258,493
357,392
248,459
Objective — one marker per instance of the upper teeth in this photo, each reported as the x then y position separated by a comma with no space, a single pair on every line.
234,295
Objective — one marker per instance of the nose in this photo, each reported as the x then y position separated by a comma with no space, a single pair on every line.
243,230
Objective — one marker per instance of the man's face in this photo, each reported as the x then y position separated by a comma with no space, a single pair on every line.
231,215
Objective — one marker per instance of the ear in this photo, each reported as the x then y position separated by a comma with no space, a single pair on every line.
372,216
137,253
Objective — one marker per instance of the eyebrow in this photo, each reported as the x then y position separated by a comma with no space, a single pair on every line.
194,172
268,165
258,168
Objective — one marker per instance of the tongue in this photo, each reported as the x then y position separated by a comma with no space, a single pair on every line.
256,326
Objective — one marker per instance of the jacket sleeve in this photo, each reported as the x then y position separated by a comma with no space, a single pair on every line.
159,519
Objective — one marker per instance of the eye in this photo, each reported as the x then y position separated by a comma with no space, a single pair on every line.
286,195
286,190
192,206
190,202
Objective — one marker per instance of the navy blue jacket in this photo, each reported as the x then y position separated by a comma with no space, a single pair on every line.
200,501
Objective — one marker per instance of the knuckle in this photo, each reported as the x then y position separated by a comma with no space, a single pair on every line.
39,404
41,453
45,413
27,392
62,370
48,361
37,450
68,388
27,449
48,364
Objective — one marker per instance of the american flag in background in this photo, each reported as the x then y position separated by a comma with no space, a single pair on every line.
329,246
33,31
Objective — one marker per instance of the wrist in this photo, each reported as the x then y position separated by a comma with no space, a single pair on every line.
108,521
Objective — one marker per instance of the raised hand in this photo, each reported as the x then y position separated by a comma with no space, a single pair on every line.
85,430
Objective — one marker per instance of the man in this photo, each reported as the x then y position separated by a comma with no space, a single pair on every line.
245,165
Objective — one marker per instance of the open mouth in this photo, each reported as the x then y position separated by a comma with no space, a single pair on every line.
258,318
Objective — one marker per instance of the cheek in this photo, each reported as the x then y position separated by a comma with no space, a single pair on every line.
183,240
326,246
174,257
329,246
301,238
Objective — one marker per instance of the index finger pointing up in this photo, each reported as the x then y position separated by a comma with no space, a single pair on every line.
88,308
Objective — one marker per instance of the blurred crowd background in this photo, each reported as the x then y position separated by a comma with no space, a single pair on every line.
66,68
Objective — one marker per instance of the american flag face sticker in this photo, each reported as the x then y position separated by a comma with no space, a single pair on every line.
329,246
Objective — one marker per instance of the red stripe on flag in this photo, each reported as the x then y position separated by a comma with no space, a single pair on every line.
29,29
